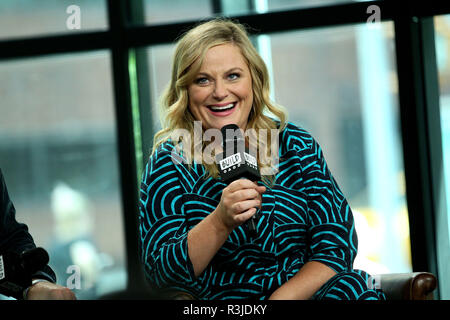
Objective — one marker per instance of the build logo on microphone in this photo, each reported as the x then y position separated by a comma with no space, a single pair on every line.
230,161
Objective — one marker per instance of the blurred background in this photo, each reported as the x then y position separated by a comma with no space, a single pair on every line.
59,137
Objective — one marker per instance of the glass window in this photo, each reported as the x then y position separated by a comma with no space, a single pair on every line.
296,4
58,153
340,84
162,11
442,39
24,18
232,7
160,61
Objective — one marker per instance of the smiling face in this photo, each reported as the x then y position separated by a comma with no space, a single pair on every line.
221,92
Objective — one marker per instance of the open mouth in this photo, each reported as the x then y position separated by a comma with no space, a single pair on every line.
222,107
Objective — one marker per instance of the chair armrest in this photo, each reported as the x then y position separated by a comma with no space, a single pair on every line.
408,286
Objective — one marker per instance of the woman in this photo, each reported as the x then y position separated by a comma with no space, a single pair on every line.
192,225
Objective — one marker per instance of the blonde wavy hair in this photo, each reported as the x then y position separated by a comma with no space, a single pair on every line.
189,54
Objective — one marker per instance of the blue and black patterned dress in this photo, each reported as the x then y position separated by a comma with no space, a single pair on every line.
304,217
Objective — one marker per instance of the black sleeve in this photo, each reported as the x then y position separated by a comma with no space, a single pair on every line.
14,236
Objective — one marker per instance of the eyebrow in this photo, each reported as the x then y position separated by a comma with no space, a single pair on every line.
228,71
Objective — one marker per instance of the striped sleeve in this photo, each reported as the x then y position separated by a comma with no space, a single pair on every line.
162,224
333,239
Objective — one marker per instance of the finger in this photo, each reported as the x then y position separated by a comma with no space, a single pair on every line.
243,206
241,184
244,194
244,216
261,189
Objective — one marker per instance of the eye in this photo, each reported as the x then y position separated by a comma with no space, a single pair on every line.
201,80
234,76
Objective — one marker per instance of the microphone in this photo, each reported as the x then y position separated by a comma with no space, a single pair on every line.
16,270
236,162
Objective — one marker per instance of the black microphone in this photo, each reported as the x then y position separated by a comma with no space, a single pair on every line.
16,270
236,162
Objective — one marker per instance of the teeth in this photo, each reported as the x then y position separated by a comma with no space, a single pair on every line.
216,108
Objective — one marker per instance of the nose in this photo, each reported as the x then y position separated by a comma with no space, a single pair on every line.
220,90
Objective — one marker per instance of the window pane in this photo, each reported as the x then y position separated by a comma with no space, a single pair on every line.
340,84
59,157
442,25
296,4
162,11
232,7
23,18
160,62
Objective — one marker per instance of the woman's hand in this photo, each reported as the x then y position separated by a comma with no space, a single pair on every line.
237,205
239,202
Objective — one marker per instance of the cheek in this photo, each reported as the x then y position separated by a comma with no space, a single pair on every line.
247,94
191,99
195,99
196,96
